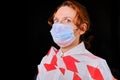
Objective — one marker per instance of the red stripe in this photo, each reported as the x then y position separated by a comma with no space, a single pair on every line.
76,77
70,63
95,73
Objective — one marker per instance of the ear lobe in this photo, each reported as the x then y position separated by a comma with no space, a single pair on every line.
83,28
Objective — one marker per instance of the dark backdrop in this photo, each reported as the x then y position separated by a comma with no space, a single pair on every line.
105,28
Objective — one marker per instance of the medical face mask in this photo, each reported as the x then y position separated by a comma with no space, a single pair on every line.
63,35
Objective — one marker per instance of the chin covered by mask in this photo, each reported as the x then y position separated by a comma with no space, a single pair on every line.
62,35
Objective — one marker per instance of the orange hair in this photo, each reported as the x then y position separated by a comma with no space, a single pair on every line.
81,13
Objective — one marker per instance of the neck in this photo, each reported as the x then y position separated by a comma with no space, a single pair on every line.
65,49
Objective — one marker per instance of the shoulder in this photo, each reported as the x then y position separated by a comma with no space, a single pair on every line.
94,58
49,55
90,59
52,51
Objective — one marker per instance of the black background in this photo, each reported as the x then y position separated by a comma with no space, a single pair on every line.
105,28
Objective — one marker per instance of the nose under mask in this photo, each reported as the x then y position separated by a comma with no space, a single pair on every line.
62,35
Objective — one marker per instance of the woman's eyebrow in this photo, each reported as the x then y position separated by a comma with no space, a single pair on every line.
54,18
68,17
64,17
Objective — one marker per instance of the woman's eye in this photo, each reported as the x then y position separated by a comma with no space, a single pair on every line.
55,20
68,20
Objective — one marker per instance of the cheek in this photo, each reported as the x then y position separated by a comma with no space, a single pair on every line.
77,32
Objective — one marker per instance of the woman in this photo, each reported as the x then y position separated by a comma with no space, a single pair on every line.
72,61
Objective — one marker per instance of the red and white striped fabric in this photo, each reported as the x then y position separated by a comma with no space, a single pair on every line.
76,64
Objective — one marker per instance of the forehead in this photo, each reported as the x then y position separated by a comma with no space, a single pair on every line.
65,11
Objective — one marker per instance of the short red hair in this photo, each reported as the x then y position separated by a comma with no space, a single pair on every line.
81,13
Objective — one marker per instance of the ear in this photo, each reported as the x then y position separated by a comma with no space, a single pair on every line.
83,28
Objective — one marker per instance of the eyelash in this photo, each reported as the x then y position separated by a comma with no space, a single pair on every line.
55,20
65,20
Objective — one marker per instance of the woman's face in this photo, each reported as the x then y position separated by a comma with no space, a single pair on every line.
66,15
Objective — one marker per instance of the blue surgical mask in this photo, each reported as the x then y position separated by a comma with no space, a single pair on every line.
63,35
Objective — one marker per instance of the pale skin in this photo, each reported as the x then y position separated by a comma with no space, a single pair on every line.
66,15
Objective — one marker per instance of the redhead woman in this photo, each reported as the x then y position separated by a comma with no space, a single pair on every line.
72,61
